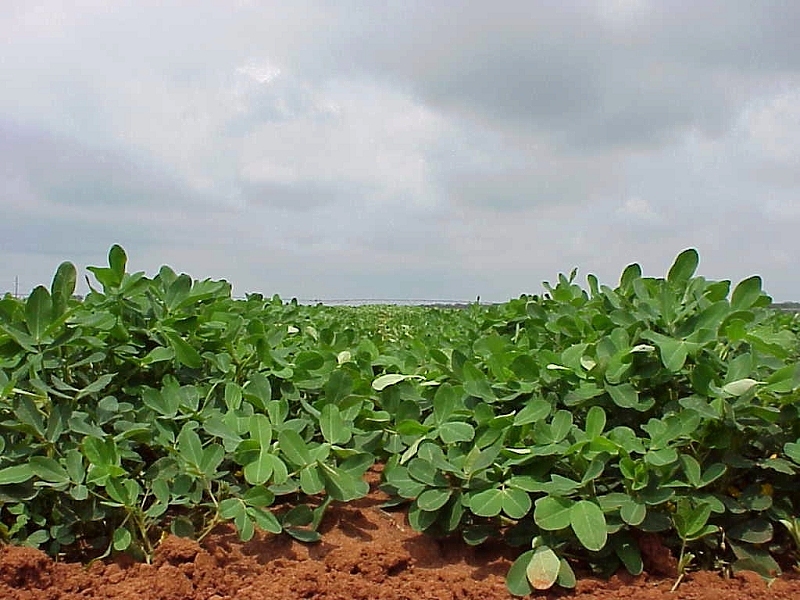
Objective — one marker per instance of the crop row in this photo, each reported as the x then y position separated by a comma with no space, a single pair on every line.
568,423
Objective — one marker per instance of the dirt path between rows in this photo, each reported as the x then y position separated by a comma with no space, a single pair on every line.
366,553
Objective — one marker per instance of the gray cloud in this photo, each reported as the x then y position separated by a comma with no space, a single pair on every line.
403,148
583,76
53,169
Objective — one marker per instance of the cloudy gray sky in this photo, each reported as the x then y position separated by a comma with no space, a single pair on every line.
403,148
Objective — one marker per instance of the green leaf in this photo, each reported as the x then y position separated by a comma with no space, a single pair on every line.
311,481
117,261
561,425
535,410
15,474
624,396
294,448
691,521
673,354
412,427
420,519
692,470
28,413
233,396
190,447
177,291
753,531
158,354
333,426
740,386
433,499
184,352
342,486
75,468
303,534
662,457
340,384
384,381
595,421
456,431
792,450
628,552
309,360
424,471
63,287
566,576
630,274
633,512
516,503
298,516
124,491
589,524
258,391
746,293
713,472
476,384
216,427
260,470
753,558
230,507
444,403
261,430
38,313
49,469
684,267
543,568
264,519
488,503
122,539
517,576
22,339
97,385
552,513
101,452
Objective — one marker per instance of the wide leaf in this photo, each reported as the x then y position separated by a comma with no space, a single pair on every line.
589,524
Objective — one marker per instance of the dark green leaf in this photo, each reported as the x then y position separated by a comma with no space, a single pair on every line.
684,267
63,287
97,385
49,470
117,260
746,293
184,352
517,576
38,313
15,474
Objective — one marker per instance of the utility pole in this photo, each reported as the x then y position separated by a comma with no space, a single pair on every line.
16,286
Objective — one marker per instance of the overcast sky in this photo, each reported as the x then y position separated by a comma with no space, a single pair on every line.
400,149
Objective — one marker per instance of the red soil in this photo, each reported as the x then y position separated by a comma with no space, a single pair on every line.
365,553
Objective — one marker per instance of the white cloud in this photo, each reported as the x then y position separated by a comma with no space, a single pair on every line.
637,207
